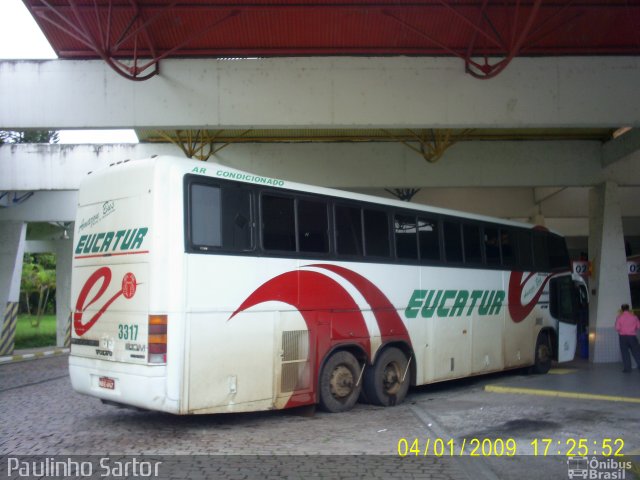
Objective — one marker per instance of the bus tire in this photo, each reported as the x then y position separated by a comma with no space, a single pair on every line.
543,355
383,382
339,388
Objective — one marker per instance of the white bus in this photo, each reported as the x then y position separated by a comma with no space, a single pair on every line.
198,288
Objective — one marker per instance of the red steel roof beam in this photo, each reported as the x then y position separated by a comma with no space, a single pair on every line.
546,27
63,23
191,38
127,34
472,42
487,70
80,32
470,23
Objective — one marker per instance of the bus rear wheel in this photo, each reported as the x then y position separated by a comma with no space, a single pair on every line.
339,387
386,383
544,354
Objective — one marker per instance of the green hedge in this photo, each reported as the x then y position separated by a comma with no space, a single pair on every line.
28,336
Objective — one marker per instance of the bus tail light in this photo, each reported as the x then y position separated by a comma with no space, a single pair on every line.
157,339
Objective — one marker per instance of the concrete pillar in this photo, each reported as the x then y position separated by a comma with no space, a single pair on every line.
12,241
64,254
610,281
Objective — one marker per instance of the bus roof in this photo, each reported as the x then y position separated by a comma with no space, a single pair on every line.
182,166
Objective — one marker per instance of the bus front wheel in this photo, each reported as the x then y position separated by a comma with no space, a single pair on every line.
544,354
387,382
339,387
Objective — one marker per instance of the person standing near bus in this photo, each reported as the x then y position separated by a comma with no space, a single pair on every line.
627,324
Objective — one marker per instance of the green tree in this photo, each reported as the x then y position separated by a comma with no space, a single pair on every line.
29,280
38,277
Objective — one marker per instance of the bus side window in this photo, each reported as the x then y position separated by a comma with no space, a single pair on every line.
540,252
452,242
376,233
525,250
472,245
506,247
313,226
348,230
492,245
205,216
278,223
428,240
405,228
558,254
237,222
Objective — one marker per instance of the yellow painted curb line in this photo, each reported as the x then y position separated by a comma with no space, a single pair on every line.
561,371
33,356
556,393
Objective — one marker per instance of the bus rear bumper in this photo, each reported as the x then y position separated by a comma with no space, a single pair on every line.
142,386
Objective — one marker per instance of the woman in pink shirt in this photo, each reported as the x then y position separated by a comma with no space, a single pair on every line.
627,324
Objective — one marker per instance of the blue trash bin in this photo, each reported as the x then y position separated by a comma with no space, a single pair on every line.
583,344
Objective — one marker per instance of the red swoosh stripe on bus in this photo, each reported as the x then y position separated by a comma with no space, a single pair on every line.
313,295
518,311
389,322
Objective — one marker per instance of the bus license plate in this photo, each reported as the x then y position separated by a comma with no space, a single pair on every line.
106,382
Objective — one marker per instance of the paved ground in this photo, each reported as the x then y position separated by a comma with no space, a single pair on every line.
42,416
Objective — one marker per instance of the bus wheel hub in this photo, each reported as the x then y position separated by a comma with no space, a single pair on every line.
341,383
391,379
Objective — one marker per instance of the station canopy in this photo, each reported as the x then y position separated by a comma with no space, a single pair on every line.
134,36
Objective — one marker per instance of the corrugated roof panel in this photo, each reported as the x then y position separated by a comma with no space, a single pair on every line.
338,27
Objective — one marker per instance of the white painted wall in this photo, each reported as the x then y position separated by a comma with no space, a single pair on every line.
498,178
378,92
44,206
341,165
